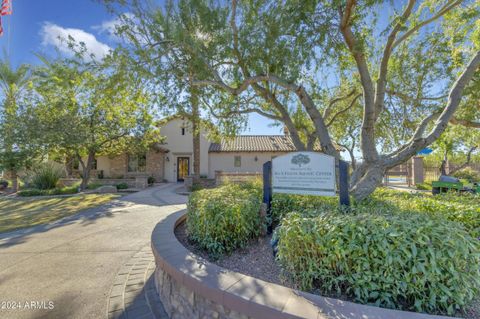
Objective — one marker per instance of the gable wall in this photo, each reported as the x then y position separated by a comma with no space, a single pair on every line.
182,146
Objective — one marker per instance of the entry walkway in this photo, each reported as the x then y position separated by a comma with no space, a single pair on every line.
67,269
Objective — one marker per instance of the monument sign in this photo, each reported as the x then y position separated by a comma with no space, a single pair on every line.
305,173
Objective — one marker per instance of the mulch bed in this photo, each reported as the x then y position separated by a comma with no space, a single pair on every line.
257,261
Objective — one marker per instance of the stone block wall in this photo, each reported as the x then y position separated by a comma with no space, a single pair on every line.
222,177
118,166
182,303
155,165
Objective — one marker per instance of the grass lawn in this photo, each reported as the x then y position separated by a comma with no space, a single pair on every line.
16,213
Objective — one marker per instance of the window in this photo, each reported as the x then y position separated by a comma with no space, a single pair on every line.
76,164
183,131
137,163
94,164
237,162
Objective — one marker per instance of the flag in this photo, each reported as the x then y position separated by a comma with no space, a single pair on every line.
6,8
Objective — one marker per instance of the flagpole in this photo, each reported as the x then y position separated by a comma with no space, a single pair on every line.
9,28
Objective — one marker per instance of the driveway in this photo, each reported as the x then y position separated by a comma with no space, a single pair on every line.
70,265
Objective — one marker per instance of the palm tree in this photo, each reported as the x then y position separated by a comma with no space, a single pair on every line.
13,82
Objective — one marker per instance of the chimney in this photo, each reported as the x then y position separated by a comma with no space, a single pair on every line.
286,132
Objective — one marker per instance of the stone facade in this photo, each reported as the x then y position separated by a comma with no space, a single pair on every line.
155,165
222,177
118,166
181,303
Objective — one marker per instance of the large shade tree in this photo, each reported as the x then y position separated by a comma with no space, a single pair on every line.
411,60
91,108
17,147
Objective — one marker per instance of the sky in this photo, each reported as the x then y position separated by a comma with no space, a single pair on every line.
36,25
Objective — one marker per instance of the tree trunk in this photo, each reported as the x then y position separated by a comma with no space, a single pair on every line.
195,119
443,166
86,169
366,178
14,177
465,164
69,165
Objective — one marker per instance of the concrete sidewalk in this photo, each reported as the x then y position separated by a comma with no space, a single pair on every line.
70,265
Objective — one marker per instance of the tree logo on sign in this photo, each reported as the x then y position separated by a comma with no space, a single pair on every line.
300,159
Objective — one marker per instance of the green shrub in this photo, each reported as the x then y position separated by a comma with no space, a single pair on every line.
151,180
424,186
196,187
468,174
46,177
3,183
122,186
225,218
31,192
93,186
48,192
459,207
407,261
282,204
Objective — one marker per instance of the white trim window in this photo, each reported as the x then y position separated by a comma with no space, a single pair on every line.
237,161
137,163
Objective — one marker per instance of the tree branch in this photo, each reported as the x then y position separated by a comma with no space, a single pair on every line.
368,144
387,52
344,110
409,98
466,123
326,112
447,7
465,164
455,96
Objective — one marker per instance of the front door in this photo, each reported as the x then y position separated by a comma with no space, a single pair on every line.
183,168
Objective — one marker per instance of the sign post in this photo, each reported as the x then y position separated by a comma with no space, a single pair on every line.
267,184
305,173
343,183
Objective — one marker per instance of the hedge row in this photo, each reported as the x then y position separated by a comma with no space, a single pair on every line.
225,218
408,261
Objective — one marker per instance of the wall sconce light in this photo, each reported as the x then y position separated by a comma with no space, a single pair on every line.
168,160
256,159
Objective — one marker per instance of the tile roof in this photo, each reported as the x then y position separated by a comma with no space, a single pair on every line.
256,143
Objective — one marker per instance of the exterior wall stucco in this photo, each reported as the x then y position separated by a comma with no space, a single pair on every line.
182,146
225,161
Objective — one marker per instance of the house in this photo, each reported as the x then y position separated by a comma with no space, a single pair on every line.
173,159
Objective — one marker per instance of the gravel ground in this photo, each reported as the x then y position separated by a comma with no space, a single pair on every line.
473,312
257,261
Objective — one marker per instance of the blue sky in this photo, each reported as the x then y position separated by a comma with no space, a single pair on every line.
35,26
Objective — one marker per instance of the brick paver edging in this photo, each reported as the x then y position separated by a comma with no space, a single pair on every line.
191,287
133,294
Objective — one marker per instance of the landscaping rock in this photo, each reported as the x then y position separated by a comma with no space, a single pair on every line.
107,189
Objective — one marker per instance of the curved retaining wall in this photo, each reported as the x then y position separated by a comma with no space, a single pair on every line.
191,287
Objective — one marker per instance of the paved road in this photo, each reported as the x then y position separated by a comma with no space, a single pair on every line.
73,263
